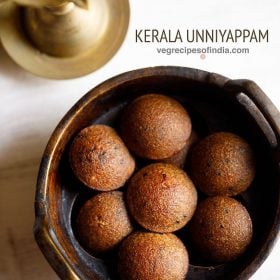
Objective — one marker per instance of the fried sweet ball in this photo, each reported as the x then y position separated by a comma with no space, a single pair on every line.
221,229
151,256
222,164
161,197
155,126
100,159
103,222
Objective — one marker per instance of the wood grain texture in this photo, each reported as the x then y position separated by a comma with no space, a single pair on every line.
22,141
20,257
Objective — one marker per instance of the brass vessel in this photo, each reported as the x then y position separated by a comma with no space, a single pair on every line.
61,39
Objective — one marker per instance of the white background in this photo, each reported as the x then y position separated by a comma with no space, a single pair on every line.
30,108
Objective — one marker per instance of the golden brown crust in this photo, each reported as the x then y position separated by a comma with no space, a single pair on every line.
222,164
100,159
103,222
161,197
155,126
152,256
221,229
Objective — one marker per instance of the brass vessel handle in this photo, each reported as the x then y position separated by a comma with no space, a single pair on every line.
47,3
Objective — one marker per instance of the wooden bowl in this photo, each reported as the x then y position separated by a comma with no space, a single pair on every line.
215,103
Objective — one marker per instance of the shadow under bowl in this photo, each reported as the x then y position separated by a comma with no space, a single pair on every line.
215,103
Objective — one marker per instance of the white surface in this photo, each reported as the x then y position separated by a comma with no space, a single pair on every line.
30,108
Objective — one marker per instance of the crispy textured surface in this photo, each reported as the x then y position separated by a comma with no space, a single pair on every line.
222,164
100,159
153,256
221,229
103,222
155,126
161,197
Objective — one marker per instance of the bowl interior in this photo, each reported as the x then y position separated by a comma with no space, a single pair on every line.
212,109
